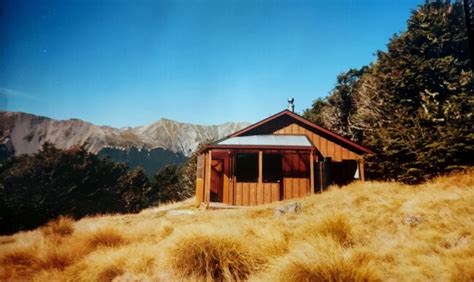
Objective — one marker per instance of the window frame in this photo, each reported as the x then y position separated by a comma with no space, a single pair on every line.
246,174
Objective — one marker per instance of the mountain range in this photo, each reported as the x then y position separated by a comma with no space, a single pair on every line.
151,146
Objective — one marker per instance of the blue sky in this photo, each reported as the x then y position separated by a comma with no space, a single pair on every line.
129,63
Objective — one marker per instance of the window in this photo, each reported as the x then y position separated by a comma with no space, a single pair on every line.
246,167
272,168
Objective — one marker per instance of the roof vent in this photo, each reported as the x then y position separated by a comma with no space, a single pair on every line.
291,106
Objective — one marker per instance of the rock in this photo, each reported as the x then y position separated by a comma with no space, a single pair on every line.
26,133
290,208
279,212
412,220
180,212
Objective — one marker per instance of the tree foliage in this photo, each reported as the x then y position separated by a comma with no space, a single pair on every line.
414,105
39,187
174,183
135,190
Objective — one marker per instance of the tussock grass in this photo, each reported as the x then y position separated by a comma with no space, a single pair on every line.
62,226
214,256
362,232
55,258
336,227
322,259
166,229
106,237
109,263
19,262
21,257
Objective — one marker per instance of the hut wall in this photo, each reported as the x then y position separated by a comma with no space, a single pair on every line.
296,178
326,147
249,194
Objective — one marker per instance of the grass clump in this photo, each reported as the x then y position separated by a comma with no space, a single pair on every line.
106,237
21,257
166,229
109,273
19,263
212,257
323,259
62,226
338,228
56,258
335,227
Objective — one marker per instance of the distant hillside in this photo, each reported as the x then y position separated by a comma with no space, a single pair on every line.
372,231
151,160
22,133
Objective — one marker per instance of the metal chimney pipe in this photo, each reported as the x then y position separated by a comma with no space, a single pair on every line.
291,106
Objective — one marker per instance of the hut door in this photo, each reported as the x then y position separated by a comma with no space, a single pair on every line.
217,181
322,173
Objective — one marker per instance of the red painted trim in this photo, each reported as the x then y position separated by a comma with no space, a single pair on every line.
305,121
252,126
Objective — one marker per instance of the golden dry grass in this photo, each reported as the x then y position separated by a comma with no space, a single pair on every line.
105,237
323,259
62,226
363,232
212,256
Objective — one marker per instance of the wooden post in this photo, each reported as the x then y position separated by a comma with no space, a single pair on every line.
207,195
234,179
204,178
198,193
321,176
260,170
361,170
311,172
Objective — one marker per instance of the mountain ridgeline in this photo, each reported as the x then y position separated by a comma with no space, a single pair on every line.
153,146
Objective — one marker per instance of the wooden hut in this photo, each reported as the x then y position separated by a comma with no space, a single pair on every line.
281,157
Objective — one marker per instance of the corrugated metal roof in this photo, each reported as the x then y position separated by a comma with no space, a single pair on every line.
298,119
268,140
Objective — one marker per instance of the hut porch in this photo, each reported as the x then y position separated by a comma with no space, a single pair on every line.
253,174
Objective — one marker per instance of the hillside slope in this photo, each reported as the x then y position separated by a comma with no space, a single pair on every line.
364,232
22,133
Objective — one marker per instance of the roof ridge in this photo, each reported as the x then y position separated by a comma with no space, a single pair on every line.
305,121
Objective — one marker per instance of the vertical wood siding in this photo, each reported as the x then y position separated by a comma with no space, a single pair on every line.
296,178
199,190
326,147
248,194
